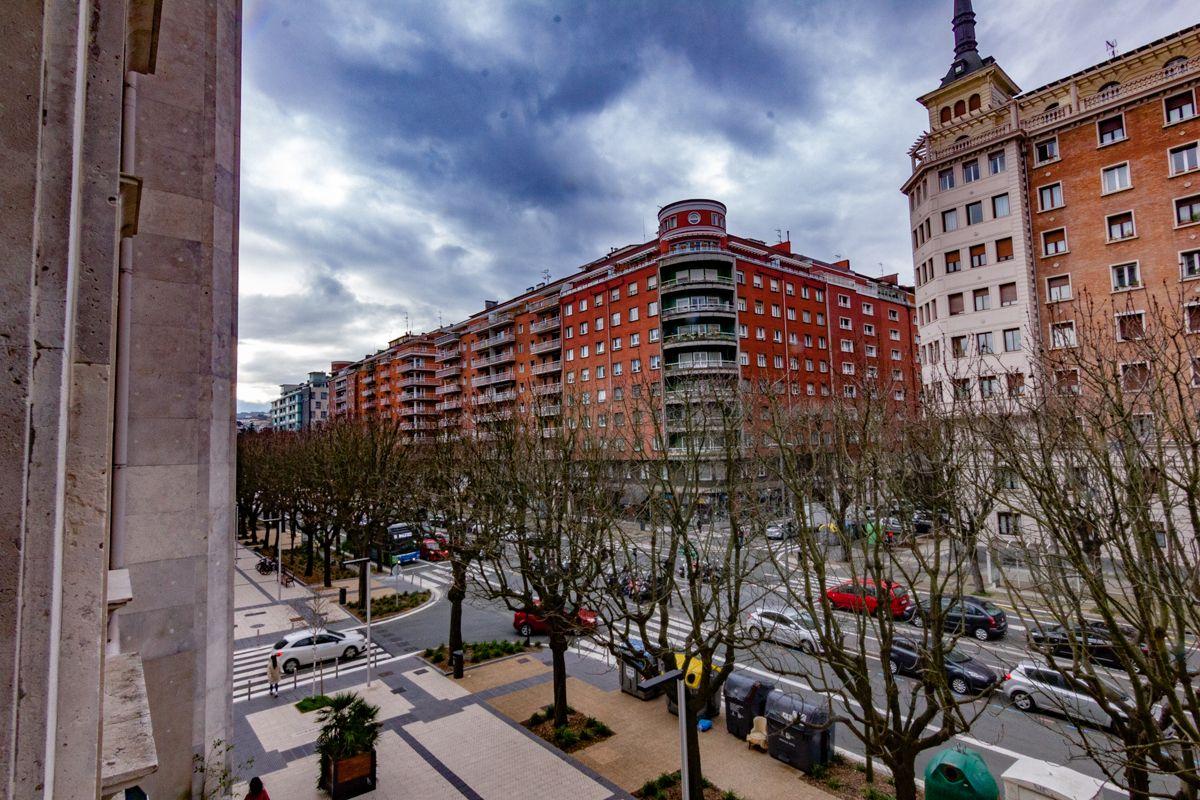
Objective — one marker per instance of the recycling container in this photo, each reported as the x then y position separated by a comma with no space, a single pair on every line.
959,774
799,733
633,664
745,699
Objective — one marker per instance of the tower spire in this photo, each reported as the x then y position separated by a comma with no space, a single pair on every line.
964,28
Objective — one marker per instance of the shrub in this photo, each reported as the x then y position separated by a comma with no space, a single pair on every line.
308,704
872,793
566,737
833,782
819,771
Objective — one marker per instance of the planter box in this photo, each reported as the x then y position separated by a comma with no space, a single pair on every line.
350,777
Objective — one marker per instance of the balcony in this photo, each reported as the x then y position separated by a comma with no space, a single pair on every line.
551,324
409,364
693,309
449,372
488,380
695,282
722,367
495,397
498,339
416,426
549,433
493,416
547,367
449,405
420,380
447,388
697,394
546,346
549,410
543,389
449,422
410,397
707,337
545,302
499,358
496,320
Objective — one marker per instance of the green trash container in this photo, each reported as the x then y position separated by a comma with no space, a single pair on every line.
959,774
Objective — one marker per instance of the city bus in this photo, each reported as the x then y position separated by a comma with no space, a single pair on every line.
401,545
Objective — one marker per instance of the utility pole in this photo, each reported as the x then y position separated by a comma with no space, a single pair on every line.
364,564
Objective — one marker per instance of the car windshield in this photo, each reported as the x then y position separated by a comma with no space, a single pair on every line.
282,643
899,591
957,657
801,619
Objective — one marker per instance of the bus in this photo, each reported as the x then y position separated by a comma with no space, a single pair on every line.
401,545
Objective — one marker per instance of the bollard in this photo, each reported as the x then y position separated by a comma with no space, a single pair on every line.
249,686
457,661
295,677
337,668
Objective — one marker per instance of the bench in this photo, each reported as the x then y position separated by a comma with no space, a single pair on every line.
286,577
297,622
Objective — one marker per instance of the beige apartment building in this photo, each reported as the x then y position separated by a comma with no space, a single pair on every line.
1029,209
119,124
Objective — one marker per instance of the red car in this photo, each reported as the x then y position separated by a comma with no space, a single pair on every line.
864,595
435,548
530,623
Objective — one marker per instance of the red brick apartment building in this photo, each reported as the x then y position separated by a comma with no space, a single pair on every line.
1034,212
693,304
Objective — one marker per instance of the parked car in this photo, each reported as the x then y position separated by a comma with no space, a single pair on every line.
435,548
964,673
863,594
784,626
1033,686
532,622
777,531
975,616
1092,640
302,648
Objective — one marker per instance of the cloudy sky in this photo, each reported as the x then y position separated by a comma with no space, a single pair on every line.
404,161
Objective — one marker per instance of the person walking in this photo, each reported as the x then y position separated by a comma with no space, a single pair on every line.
274,674
257,792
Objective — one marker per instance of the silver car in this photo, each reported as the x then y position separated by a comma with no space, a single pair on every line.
1032,686
302,648
784,626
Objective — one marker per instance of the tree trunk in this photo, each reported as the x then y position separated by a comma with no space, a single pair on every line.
558,651
904,774
1138,778
694,769
328,562
253,527
310,547
458,590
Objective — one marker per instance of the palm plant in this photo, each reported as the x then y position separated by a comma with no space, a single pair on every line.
349,727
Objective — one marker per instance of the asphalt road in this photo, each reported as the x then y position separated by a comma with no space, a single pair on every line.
1000,732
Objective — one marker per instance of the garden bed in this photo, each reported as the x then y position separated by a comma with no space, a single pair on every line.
669,786
579,732
390,605
477,652
308,704
848,780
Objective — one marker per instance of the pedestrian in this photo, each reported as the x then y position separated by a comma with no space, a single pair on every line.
274,673
257,792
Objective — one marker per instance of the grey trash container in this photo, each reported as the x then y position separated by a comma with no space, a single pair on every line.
745,699
632,666
711,711
799,733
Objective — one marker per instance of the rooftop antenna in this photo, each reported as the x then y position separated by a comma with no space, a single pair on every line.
546,276
1111,46
407,324
778,235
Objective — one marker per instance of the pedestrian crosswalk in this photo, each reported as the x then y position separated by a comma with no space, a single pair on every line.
250,670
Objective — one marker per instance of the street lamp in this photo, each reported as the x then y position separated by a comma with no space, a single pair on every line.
681,700
364,564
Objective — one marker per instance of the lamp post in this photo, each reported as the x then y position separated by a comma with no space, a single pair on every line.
365,565
278,520
681,700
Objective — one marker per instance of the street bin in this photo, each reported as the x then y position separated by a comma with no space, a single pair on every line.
691,679
959,774
633,665
342,595
799,733
745,699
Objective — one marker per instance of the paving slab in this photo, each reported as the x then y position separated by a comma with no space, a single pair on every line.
435,684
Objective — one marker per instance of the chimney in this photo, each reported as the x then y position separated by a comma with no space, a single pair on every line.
489,304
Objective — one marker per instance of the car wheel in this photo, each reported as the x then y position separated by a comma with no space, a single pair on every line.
981,634
291,665
755,633
918,621
959,686
893,667
807,647
525,630
351,653
1023,701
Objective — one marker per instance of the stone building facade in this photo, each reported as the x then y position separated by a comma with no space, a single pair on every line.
120,131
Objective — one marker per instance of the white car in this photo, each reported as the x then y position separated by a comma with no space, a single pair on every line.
302,648
784,626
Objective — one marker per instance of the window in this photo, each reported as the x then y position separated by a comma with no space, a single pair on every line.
616,320
958,346
632,289
978,255
633,314
1120,226
600,372
893,315
1187,210
1180,107
845,324
774,285
1191,312
1012,340
1016,388
618,370
970,171
1050,197
960,108
956,303
762,360
655,362
635,365
952,262
635,339
847,346
1135,376
984,344
847,368
1114,179
962,389
616,343
1062,334
1000,206
975,212
989,386
894,335
1054,242
1111,130
1185,158
1066,381
791,314
1008,523
871,351
973,102
868,329
1058,288
1125,276
950,220
1131,326
760,334
1004,249
776,311
757,281
778,362
758,306
652,282
983,299
1008,294
1045,151
944,115
996,162
843,301
1189,264
946,179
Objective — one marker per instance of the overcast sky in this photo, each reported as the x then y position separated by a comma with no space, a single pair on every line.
402,162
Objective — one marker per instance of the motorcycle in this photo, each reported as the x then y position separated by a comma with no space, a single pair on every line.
266,566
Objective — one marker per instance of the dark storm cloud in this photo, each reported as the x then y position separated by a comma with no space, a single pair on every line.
404,158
